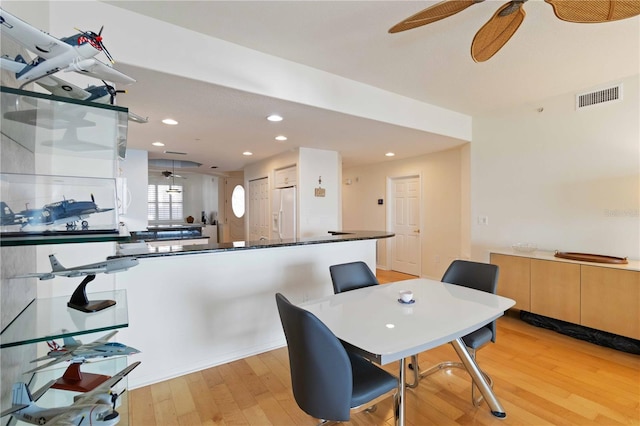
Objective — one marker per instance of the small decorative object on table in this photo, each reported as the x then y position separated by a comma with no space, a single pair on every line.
190,219
406,296
525,247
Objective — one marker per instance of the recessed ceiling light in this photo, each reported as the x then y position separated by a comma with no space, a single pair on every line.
170,121
247,153
390,154
281,138
157,144
274,117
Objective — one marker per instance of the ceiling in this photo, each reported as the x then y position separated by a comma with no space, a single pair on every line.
546,57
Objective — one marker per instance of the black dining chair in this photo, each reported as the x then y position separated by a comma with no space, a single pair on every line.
349,276
479,276
328,382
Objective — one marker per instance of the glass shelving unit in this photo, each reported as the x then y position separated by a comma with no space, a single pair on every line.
82,142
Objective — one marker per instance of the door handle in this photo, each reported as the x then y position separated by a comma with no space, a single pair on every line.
417,231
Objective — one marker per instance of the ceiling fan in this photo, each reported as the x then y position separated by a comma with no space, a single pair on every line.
173,189
504,23
168,174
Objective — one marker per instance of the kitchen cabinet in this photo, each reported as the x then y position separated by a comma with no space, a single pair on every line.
600,296
286,177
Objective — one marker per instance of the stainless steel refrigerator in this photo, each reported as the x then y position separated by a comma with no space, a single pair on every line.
283,210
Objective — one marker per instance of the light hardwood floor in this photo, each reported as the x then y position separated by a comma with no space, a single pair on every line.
541,378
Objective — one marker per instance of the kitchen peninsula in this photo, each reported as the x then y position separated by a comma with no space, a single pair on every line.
195,306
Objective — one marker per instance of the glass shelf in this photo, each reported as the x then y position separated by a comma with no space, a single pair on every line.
121,237
66,127
47,319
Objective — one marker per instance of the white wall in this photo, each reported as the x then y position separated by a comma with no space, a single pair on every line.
319,215
563,179
444,229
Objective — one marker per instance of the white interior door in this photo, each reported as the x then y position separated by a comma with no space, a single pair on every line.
405,220
258,209
234,200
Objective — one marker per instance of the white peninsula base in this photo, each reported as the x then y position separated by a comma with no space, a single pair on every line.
193,311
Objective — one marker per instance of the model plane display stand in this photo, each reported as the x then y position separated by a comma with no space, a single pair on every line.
80,301
76,381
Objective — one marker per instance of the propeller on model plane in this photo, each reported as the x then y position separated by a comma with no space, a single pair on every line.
115,396
112,92
97,39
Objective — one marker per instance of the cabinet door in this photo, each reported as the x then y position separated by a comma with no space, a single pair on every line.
555,290
286,177
513,279
611,300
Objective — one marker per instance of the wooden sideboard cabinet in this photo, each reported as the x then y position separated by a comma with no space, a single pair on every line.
514,279
599,296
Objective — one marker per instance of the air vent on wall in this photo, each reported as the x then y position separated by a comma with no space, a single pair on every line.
610,94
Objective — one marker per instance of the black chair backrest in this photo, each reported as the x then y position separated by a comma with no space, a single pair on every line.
349,276
321,374
480,276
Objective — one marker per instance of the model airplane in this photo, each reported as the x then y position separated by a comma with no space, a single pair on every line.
96,407
74,350
105,94
74,53
109,266
65,211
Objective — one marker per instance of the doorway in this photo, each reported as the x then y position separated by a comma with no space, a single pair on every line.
404,213
259,209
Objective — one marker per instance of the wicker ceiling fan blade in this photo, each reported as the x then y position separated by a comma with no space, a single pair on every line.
433,13
497,31
594,11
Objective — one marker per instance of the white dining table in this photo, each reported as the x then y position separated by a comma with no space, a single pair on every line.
372,322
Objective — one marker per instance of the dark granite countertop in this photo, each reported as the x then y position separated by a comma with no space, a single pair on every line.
143,250
175,226
182,231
